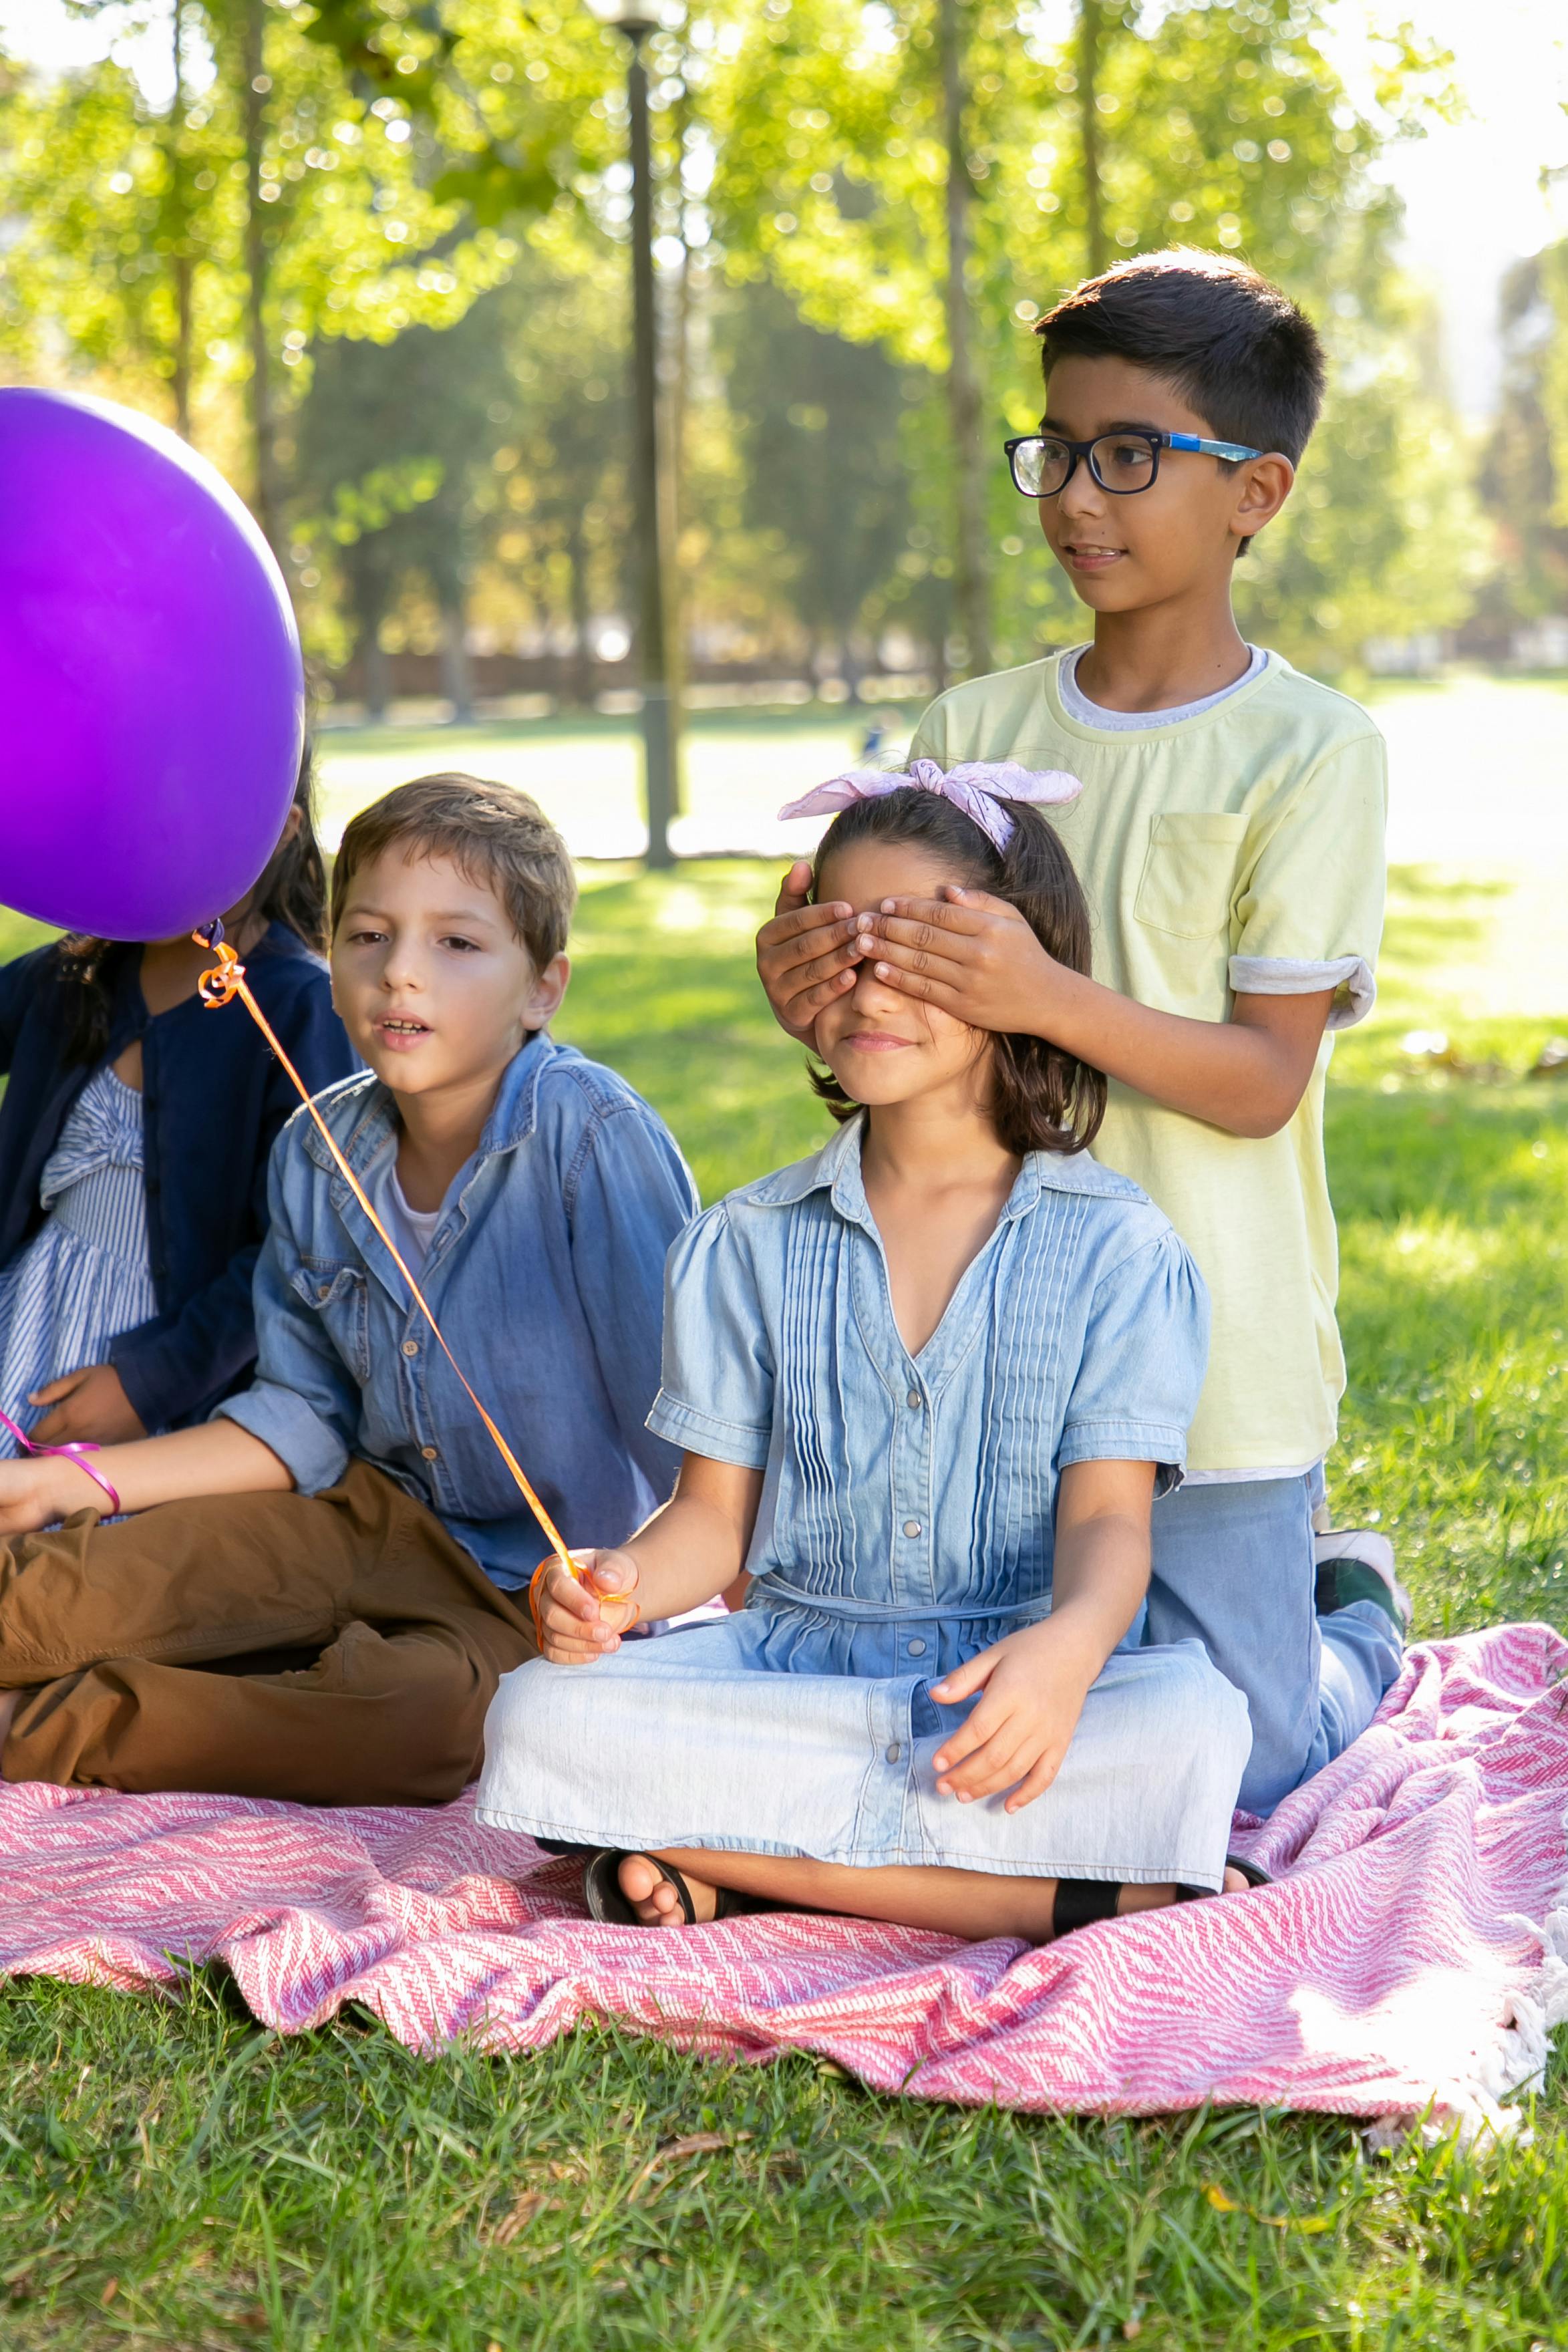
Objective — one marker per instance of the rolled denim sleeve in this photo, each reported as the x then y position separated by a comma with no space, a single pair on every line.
716,1397
304,1402
1145,1350
630,1194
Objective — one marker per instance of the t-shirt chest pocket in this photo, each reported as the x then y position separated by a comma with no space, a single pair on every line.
1189,874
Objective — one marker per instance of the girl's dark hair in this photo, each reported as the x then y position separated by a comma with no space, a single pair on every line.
1042,1099
292,890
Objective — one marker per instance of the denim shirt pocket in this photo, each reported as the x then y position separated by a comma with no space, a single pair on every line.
339,1295
1189,874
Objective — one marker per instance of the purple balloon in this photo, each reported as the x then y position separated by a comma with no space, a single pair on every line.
150,675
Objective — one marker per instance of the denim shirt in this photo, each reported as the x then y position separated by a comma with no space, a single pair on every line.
546,1274
899,1486
214,1100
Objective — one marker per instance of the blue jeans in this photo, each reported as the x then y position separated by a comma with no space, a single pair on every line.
1233,1568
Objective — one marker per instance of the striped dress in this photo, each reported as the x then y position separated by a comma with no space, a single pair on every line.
84,1277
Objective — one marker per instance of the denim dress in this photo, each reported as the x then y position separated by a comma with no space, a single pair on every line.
905,1523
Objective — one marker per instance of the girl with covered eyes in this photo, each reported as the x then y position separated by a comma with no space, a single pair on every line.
927,1384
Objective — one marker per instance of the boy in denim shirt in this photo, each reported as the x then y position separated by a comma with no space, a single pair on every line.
318,1589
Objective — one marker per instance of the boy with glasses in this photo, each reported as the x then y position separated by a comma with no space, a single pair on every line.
1229,838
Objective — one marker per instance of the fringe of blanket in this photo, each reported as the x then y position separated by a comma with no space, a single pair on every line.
1515,2061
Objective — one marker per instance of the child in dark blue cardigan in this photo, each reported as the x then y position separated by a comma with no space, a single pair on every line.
134,1134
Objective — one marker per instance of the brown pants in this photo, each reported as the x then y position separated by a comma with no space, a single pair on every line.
359,1647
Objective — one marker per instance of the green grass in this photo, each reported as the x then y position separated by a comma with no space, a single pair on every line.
172,2176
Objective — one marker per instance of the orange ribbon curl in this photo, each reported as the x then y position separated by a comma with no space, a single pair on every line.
220,987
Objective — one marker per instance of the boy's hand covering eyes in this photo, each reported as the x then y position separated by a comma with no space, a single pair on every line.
582,1620
806,956
1032,1689
969,955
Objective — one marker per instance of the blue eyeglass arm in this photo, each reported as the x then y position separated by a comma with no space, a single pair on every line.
1207,448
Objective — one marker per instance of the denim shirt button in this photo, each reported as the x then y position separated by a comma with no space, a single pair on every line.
912,1526
894,1753
914,1399
916,1649
430,1452
411,1347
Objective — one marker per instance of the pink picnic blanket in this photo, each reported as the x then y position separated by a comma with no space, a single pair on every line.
1411,1958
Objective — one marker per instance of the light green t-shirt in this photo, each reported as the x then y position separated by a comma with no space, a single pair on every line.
1239,851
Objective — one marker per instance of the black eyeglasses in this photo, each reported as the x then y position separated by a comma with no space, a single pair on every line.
1122,463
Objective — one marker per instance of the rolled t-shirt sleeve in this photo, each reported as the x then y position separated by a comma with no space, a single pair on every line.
1311,915
715,1398
1145,1350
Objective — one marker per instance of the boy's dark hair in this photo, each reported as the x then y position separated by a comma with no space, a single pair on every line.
495,835
1234,347
1042,1099
292,891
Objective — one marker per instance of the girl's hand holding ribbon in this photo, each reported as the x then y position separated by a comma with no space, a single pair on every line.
38,1490
581,1611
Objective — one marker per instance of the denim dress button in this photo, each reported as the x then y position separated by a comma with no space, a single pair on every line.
916,1649
894,1752
912,1526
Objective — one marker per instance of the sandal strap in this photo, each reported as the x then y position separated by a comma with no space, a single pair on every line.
605,1898
1080,1902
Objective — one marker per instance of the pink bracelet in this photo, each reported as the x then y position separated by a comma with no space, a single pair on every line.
76,1449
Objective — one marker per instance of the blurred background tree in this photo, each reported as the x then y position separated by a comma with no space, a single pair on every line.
372,258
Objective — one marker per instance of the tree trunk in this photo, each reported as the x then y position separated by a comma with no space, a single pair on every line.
179,227
580,674
1091,31
377,665
268,497
456,676
971,567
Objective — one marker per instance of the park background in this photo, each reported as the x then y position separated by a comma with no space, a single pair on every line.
371,256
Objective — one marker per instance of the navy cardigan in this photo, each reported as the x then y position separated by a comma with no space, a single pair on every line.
214,1098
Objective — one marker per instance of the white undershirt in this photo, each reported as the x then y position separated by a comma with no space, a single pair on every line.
412,1230
1077,704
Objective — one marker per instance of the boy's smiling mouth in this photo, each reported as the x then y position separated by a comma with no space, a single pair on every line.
401,1029
1086,556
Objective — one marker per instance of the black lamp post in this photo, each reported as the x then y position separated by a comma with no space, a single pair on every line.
661,709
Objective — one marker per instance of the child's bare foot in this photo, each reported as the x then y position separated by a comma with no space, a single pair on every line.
651,1894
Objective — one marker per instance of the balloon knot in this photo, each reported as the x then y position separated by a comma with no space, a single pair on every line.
220,986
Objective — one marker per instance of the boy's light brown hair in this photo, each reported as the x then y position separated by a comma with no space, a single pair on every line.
494,835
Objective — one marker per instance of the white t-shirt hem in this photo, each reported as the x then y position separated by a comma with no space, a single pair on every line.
1249,1477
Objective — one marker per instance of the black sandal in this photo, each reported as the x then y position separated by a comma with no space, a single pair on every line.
1080,1902
602,1892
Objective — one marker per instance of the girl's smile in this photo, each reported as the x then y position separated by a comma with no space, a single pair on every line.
873,1041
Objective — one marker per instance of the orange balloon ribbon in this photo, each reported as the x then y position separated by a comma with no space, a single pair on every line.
220,987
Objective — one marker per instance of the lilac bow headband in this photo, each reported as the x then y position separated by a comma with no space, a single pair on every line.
977,788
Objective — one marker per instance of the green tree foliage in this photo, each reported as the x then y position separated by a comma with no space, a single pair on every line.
1219,126
1525,473
407,158
825,486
